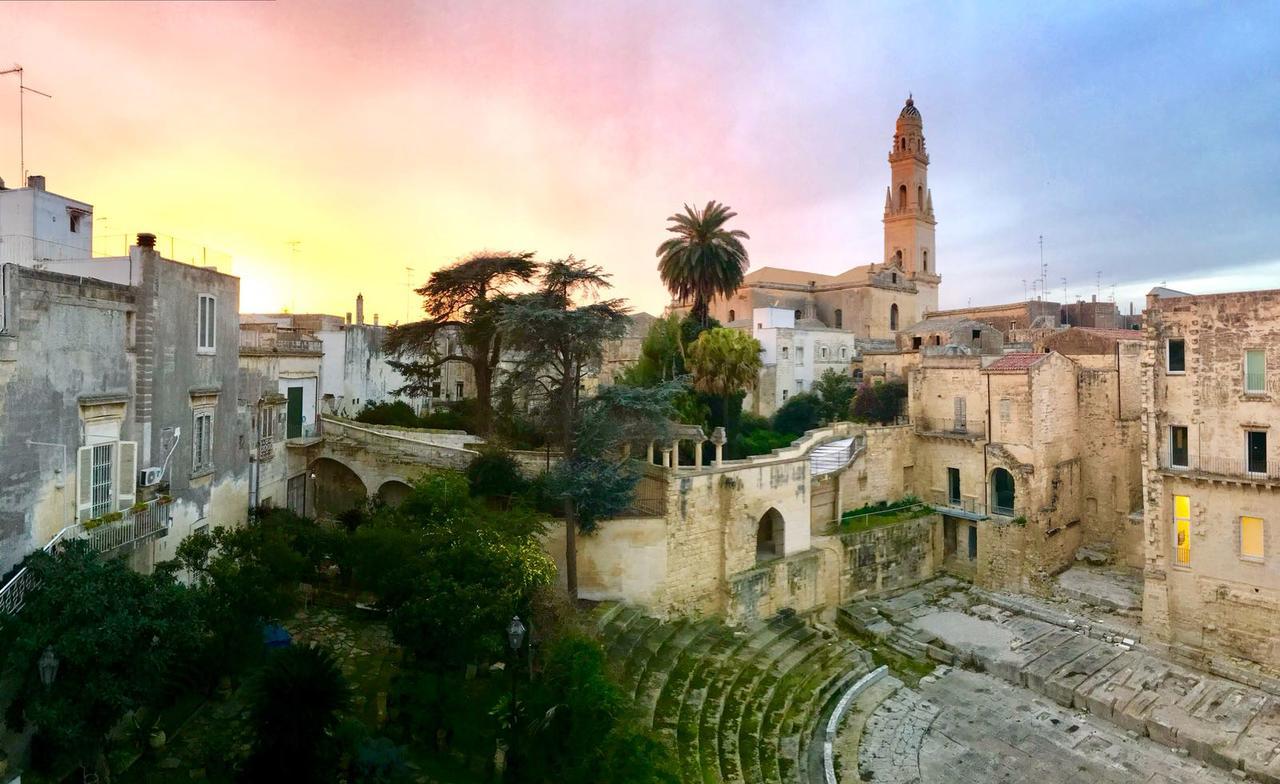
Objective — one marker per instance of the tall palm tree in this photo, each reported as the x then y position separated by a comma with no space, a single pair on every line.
704,259
724,362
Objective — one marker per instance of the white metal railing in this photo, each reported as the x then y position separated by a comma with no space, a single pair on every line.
947,502
135,526
266,449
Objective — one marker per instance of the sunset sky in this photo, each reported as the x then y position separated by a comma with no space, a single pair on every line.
1142,142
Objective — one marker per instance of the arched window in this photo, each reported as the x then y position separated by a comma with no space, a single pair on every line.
897,260
769,535
1002,495
902,197
839,318
925,259
731,315
844,352
824,352
893,316
920,197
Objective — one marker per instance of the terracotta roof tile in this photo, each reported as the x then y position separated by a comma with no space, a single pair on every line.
1113,334
1016,362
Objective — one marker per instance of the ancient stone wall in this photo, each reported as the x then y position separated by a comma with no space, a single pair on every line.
890,557
793,582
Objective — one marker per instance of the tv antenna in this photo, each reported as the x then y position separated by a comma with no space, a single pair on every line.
23,89
294,247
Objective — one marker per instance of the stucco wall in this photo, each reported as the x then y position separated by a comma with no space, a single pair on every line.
625,560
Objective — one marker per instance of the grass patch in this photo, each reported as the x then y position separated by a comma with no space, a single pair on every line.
883,513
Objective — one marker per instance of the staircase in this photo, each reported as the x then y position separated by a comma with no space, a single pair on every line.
738,705
834,455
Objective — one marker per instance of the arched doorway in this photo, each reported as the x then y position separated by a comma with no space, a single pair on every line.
393,492
337,487
770,532
1002,492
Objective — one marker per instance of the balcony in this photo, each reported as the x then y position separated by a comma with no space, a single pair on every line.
1210,467
963,429
266,449
260,341
145,522
968,508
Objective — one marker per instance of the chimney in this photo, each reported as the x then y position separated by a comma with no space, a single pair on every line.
1095,298
375,319
35,182
359,308
348,317
145,239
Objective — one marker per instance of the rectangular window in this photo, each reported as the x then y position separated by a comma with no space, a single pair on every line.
799,355
458,389
205,328
953,485
1182,530
1255,371
1251,537
202,442
102,473
1176,355
784,352
1255,445
1178,453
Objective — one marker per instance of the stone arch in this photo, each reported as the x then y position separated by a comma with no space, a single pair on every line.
902,197
920,197
337,487
839,318
1003,493
732,315
893,316
925,260
394,491
770,532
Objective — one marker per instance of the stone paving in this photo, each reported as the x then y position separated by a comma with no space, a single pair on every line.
1222,722
971,728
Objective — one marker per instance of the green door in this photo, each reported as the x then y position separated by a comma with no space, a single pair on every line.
293,418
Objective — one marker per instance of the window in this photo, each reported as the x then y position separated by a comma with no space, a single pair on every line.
73,222
267,423
919,197
435,389
953,485
799,355
1255,446
1002,492
797,315
925,259
202,442
824,352
1178,453
458,388
916,342
894,276
902,197
976,334
1251,537
205,328
893,314
961,416
844,352
1176,355
100,476
1255,371
839,318
1182,530
784,395
731,314
1006,409
784,352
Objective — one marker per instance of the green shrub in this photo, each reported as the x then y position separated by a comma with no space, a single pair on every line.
801,413
878,403
495,474
397,414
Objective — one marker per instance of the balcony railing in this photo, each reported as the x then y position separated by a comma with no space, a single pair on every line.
1235,468
970,507
956,428
266,449
136,526
285,343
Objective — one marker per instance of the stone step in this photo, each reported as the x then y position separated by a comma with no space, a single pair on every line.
804,719
663,663
704,675
616,625
750,736
619,654
774,708
781,747
644,652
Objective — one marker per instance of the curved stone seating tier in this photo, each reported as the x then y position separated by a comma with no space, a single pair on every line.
738,705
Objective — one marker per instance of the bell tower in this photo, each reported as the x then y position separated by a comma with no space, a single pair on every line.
908,208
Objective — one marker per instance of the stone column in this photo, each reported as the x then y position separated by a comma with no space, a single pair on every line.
697,453
719,438
649,457
666,458
675,454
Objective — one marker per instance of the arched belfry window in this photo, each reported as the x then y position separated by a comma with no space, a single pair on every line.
893,316
902,197
925,259
1002,492
920,197
839,318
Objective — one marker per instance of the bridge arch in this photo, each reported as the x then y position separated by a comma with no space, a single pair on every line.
394,491
337,487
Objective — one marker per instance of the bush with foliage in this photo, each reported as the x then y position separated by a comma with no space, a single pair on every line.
495,474
460,415
801,413
879,403
836,391
397,414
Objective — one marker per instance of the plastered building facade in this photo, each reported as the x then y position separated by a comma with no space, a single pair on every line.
1211,469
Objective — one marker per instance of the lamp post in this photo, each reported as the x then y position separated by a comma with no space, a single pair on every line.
48,666
515,637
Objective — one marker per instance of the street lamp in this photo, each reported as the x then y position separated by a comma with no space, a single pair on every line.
515,638
48,666
515,633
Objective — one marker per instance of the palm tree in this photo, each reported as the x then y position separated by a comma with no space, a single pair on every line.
724,362
294,704
704,260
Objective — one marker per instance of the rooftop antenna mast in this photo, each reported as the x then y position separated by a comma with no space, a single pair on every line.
1044,271
23,89
294,246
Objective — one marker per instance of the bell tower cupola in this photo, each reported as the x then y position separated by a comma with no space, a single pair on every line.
908,205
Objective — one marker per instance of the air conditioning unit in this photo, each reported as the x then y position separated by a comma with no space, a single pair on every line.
150,476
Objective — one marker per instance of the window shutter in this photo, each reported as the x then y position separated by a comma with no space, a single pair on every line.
84,483
127,478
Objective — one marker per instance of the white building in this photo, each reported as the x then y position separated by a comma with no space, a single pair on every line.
796,352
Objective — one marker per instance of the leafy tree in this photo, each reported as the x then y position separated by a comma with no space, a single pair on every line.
704,260
294,704
661,354
835,390
121,640
802,412
559,332
495,474
881,403
467,297
724,363
396,413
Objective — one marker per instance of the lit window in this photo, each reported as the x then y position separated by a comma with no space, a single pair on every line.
1182,530
1255,371
205,327
1251,537
1176,351
202,442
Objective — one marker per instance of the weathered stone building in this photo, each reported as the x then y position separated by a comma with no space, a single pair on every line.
1211,469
